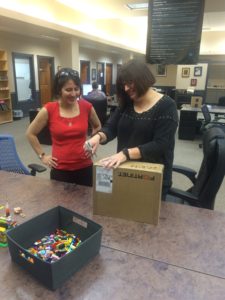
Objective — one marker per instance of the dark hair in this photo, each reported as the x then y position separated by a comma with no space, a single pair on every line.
94,85
139,74
61,77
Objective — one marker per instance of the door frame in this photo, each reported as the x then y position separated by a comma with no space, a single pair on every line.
89,70
52,62
103,70
31,60
111,65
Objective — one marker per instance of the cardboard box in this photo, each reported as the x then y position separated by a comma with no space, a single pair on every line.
196,101
132,191
53,275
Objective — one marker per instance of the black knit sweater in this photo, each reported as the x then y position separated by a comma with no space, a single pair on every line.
152,131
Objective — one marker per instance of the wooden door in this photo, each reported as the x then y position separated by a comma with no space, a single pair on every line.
108,79
85,71
100,73
45,74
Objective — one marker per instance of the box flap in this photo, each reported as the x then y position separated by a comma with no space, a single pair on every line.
140,166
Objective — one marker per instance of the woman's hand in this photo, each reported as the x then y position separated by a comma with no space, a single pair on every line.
91,145
49,161
113,161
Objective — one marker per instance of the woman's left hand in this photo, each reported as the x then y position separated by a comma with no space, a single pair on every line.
113,161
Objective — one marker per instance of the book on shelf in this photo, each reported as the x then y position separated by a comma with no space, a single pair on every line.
3,106
3,77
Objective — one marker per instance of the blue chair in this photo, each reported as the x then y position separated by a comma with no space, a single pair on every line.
10,161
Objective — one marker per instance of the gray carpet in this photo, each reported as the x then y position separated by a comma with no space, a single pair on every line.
187,153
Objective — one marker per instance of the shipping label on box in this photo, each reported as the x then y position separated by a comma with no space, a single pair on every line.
132,191
104,180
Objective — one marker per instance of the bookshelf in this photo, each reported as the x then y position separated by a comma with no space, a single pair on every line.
5,99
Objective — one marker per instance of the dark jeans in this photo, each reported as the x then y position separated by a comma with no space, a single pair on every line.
81,176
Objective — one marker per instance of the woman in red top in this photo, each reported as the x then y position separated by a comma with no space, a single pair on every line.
67,119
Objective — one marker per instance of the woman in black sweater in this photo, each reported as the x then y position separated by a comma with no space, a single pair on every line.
144,123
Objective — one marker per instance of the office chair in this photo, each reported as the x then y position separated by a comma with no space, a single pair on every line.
221,101
10,161
100,106
211,173
208,122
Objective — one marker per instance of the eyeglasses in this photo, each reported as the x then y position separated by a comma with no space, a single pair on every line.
72,73
128,83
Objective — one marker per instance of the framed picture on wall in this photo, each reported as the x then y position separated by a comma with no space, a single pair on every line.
58,68
193,82
185,72
93,74
161,70
197,71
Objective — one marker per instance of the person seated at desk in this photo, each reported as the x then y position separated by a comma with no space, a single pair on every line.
96,93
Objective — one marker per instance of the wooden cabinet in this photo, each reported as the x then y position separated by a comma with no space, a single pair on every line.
5,99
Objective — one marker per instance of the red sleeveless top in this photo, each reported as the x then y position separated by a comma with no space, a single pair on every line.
68,136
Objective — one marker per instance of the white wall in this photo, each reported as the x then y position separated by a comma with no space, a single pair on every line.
169,79
216,75
94,55
20,44
212,43
27,45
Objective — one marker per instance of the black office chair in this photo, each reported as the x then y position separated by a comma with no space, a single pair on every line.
221,101
210,176
10,161
100,106
208,122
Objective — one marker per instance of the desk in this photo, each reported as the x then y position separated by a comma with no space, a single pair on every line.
213,109
189,122
181,258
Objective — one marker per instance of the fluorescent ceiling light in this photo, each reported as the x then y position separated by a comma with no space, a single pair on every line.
137,6
89,8
206,28
47,37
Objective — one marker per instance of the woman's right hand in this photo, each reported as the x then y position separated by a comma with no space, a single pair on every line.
49,161
94,143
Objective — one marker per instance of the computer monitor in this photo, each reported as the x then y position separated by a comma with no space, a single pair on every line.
88,88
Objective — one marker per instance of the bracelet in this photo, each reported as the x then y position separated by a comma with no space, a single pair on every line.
102,143
41,155
126,153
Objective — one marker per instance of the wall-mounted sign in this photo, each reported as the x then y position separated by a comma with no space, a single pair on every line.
174,31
